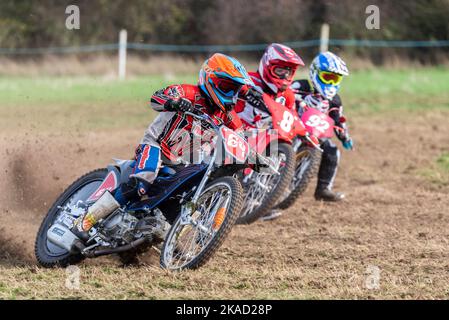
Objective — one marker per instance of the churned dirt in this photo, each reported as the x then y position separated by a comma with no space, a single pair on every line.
388,239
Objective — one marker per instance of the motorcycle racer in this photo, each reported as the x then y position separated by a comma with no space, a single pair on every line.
277,67
275,74
320,92
221,79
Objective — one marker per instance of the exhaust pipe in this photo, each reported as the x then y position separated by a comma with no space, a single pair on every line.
64,238
103,252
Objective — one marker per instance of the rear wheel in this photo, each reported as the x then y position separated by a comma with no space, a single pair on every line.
307,163
192,240
48,254
262,191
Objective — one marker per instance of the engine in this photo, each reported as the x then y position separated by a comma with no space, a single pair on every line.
118,229
120,226
124,227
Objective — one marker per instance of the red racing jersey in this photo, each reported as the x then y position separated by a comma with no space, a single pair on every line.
254,117
169,128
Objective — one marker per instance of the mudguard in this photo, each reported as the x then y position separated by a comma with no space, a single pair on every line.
123,168
117,174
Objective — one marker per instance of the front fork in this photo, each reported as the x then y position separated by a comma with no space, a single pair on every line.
297,143
189,209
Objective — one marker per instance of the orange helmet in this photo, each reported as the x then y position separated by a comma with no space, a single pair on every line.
221,78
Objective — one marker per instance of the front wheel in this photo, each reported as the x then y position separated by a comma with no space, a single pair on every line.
307,162
193,239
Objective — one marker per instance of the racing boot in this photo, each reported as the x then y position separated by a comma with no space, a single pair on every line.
133,190
326,194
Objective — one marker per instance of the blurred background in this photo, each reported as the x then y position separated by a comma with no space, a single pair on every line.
41,26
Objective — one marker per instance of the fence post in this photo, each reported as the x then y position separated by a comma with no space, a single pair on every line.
324,39
123,35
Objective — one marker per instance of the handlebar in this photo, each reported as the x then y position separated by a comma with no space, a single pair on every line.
316,146
205,117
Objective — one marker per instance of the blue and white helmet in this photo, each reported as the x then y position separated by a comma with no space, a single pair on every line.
326,72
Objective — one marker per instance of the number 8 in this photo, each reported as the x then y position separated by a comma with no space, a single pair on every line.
287,121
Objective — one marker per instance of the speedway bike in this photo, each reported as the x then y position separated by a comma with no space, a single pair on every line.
188,214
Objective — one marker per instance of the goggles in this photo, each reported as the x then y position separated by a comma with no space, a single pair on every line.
227,87
283,72
330,77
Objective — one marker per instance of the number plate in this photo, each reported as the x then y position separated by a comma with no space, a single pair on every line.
318,123
235,144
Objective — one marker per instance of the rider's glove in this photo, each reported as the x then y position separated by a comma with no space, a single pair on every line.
348,144
343,135
254,98
181,104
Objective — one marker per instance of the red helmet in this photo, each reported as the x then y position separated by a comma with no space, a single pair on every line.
278,66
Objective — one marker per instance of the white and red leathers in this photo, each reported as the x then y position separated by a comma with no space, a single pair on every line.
167,129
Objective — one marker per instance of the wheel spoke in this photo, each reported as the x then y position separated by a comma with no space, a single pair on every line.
187,245
299,172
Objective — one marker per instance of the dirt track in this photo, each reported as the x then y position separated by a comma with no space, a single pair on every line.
393,219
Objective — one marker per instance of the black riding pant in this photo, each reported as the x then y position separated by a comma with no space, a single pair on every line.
329,164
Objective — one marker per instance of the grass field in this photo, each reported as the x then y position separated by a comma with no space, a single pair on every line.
107,103
395,218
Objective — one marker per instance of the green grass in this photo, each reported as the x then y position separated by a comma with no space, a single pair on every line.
438,172
49,91
443,162
55,104
395,87
95,103
408,89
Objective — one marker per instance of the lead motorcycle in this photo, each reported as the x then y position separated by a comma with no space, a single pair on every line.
191,210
